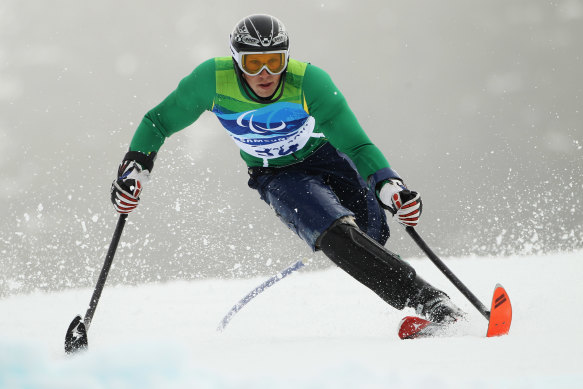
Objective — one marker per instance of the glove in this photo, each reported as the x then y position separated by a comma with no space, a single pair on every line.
132,173
401,202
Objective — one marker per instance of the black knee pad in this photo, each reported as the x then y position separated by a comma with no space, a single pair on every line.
369,263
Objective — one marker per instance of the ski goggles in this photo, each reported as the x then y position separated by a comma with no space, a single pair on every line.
252,64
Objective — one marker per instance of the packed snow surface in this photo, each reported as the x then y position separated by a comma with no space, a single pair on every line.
316,329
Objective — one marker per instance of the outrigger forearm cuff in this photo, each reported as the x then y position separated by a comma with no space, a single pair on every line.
380,176
145,160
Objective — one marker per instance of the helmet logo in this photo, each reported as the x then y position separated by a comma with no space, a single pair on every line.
243,36
265,41
243,29
279,39
247,39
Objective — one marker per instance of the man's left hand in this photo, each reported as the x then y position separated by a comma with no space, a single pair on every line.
401,202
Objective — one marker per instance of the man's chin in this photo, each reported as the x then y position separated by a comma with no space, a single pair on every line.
264,92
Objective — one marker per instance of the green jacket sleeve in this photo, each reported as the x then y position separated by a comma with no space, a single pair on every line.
180,109
339,124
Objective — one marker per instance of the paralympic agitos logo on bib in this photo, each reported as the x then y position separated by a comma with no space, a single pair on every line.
256,128
278,119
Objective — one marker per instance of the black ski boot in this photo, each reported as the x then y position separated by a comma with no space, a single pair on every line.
433,304
382,271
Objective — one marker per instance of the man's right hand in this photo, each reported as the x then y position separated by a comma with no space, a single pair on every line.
126,189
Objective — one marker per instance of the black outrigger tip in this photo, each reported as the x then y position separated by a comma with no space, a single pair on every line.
76,337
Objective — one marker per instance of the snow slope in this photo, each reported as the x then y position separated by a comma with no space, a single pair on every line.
312,330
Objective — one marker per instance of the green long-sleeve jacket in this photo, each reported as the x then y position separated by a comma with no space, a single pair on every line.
310,112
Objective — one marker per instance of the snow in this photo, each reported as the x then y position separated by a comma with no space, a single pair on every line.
314,329
493,90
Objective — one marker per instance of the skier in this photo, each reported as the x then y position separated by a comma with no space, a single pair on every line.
307,156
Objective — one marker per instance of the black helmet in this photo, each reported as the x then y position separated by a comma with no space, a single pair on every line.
259,33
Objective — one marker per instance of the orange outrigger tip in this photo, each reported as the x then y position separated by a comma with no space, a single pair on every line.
500,313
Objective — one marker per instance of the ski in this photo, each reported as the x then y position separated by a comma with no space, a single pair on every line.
500,317
276,278
413,327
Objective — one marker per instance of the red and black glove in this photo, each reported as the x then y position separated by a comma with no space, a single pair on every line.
401,202
132,173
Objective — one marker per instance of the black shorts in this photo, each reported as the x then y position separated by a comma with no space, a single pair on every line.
311,195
